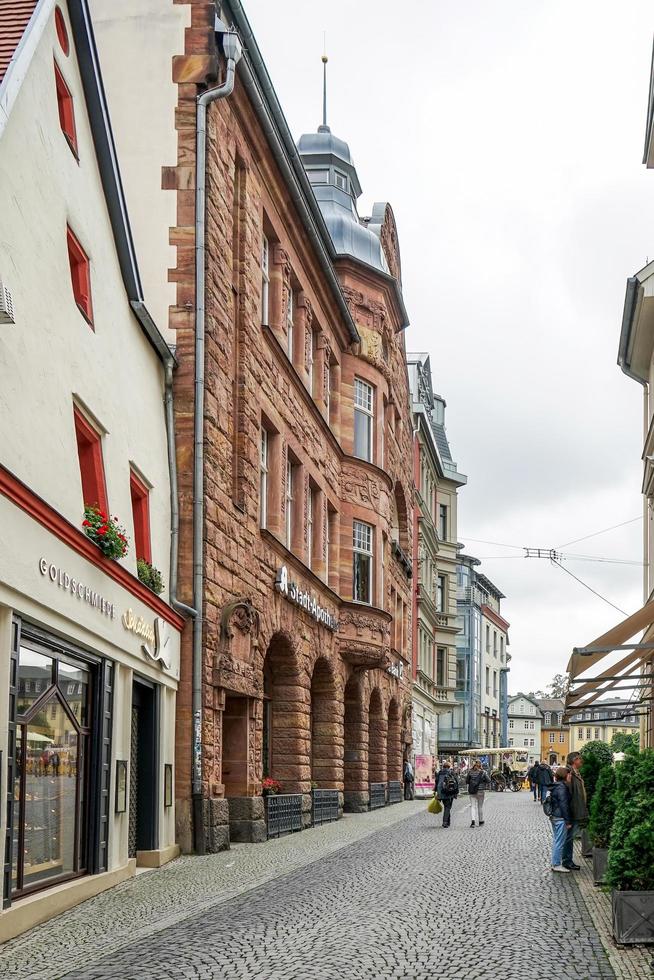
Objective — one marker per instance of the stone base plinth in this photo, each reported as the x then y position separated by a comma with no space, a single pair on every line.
247,819
355,801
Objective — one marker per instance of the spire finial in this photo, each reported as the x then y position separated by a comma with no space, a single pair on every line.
324,128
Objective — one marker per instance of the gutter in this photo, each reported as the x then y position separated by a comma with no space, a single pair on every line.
257,84
630,300
232,49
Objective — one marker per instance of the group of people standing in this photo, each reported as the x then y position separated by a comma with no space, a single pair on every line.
447,790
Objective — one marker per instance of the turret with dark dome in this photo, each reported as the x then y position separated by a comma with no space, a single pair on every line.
330,168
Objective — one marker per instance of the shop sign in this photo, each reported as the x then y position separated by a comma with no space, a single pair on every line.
155,636
77,588
396,669
305,600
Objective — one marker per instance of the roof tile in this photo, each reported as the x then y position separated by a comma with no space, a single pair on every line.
14,18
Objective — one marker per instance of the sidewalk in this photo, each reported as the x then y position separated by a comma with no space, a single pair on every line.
157,899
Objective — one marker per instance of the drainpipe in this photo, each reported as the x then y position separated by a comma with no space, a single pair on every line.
232,50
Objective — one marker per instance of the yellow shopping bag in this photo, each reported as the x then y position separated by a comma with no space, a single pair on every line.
435,806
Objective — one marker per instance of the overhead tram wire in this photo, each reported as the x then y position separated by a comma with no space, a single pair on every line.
590,589
604,530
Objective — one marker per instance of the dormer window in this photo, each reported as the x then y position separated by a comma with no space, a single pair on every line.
340,180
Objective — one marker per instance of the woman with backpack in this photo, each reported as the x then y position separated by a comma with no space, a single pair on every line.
447,790
557,808
477,781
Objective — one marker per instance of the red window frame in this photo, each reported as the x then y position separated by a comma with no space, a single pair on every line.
62,33
80,276
66,110
140,495
91,466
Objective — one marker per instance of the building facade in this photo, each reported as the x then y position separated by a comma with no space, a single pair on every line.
600,723
554,734
294,433
89,653
494,666
437,481
525,719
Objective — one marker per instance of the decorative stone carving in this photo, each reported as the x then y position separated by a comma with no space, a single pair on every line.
240,614
359,487
363,657
361,622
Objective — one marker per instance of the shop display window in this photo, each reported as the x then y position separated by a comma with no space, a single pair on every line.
50,822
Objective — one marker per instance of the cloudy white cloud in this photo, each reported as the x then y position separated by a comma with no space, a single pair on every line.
508,138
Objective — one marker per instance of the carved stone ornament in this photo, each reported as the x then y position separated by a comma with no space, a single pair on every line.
361,622
374,349
363,657
358,486
241,615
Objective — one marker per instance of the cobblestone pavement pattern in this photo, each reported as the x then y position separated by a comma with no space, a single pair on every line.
407,900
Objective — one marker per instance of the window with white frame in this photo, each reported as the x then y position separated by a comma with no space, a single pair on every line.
441,587
495,643
310,501
580,733
548,717
364,402
597,734
588,735
502,649
290,473
442,521
510,722
494,683
361,562
328,389
290,313
263,478
562,737
265,279
487,638
531,743
312,357
510,743
526,742
552,738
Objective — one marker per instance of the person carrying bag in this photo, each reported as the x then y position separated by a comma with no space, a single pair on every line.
477,782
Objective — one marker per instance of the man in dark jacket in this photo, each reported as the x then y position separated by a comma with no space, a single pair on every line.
544,780
561,818
578,809
531,776
447,790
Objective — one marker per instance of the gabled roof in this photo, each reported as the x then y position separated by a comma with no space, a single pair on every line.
14,17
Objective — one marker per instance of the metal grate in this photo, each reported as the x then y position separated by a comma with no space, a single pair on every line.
283,814
377,795
395,793
325,806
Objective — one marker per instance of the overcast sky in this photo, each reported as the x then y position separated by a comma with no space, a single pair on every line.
508,138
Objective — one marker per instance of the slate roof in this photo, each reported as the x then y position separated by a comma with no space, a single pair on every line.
14,18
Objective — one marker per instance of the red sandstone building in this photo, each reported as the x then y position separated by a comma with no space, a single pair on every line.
304,492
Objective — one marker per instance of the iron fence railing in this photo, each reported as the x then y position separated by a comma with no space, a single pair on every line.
377,795
324,806
395,793
283,813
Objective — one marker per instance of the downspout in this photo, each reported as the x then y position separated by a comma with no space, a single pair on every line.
232,49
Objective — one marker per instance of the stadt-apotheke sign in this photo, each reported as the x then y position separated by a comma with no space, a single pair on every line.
305,600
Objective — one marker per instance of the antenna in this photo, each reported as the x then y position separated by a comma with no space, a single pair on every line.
324,128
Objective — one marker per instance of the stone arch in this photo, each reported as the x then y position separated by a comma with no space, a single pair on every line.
355,747
377,738
286,717
326,728
394,742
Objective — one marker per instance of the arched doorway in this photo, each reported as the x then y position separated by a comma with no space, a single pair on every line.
355,754
394,742
326,729
377,739
286,733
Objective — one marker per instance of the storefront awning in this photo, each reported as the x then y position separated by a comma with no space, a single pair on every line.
625,674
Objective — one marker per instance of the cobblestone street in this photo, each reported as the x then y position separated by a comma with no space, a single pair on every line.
388,894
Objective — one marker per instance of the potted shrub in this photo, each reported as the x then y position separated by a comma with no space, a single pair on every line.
630,868
105,531
594,756
149,575
602,812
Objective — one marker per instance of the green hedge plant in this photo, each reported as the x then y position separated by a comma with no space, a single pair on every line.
631,850
594,756
149,575
602,810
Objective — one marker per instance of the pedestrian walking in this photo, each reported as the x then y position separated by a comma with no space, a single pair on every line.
533,784
447,790
409,780
544,780
477,781
578,809
560,816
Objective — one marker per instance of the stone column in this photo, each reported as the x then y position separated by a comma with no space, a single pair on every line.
280,283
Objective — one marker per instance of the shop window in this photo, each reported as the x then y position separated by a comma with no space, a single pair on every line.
363,417
362,562
89,451
66,110
140,495
80,276
50,808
